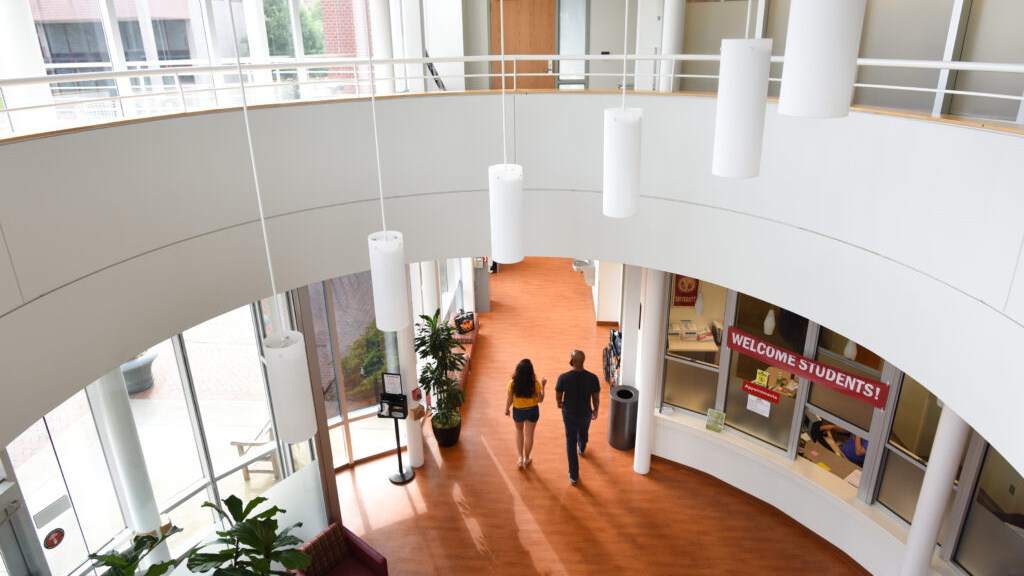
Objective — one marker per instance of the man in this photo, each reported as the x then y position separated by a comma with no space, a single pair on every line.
576,390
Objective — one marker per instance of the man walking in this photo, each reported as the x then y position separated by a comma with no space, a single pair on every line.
574,393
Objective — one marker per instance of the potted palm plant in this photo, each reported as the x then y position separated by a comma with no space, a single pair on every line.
435,343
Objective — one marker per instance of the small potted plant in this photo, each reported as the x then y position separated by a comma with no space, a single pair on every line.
251,545
435,342
127,561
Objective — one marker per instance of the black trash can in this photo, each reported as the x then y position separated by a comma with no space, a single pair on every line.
622,417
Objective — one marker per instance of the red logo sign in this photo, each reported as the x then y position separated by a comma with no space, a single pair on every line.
53,538
863,389
760,392
684,290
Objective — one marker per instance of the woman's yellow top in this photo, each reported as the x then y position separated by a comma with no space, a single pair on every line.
521,403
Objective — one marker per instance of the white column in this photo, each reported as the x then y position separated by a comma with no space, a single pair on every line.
648,42
468,285
412,39
115,425
671,43
652,349
380,39
18,36
429,287
298,48
630,326
407,368
259,48
936,490
115,48
146,31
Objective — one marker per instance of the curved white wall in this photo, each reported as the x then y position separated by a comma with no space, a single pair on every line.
904,235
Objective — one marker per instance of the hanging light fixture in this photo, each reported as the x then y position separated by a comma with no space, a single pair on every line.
505,186
769,322
820,67
698,306
742,100
287,371
387,249
622,139
850,351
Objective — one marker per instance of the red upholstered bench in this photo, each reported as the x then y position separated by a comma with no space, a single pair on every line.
337,551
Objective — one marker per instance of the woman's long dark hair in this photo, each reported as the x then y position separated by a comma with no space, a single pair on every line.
523,381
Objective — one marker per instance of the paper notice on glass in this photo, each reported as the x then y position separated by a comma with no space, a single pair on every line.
758,405
854,478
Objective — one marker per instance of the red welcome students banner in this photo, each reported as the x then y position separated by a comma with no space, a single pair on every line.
870,391
684,290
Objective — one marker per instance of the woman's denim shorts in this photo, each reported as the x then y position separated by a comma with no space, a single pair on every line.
526,414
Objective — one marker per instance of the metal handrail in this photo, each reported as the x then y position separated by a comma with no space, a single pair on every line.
346,75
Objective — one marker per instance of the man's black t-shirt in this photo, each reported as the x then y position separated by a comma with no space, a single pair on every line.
577,387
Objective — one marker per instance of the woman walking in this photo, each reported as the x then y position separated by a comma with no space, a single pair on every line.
524,395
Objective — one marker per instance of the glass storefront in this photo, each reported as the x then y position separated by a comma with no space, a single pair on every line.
992,541
696,320
877,439
196,400
767,421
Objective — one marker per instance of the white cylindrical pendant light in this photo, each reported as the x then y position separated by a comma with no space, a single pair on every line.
505,182
290,391
739,114
698,306
850,351
769,322
387,273
622,132
820,67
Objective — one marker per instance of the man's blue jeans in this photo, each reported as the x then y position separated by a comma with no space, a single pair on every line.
577,432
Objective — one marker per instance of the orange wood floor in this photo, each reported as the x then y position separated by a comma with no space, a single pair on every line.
470,510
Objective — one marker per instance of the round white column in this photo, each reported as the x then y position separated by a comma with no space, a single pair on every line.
672,24
630,326
936,490
429,287
407,368
652,349
115,425
18,36
380,37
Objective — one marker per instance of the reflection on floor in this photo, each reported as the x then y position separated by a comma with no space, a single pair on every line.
470,510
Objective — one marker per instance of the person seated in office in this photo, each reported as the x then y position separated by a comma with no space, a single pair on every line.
854,448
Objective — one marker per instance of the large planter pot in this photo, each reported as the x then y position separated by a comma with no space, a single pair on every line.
447,436
138,372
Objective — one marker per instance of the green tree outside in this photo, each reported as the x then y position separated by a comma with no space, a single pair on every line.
365,362
279,31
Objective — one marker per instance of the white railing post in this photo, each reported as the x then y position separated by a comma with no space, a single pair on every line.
181,92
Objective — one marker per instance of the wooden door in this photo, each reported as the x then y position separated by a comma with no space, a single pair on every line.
529,29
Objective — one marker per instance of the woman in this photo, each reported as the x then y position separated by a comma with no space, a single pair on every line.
524,395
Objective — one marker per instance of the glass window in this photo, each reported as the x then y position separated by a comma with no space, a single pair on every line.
224,359
279,27
311,18
834,448
572,40
194,520
64,478
784,329
690,386
695,319
992,541
917,418
360,343
161,30
842,353
162,420
324,351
